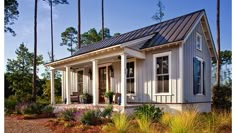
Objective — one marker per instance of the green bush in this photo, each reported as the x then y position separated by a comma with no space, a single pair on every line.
68,114
91,117
107,111
42,100
222,97
58,99
10,104
48,109
149,111
32,108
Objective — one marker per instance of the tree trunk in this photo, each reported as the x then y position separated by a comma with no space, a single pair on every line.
51,32
102,19
218,42
79,45
35,52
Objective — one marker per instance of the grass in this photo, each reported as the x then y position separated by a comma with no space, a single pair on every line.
120,124
182,122
145,125
192,121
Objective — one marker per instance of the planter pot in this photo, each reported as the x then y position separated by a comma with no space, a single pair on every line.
110,100
119,100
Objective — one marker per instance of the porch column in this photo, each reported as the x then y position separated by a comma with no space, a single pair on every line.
123,79
68,85
95,82
52,75
62,87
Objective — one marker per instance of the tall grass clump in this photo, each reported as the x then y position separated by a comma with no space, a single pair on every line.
121,122
182,122
216,121
145,125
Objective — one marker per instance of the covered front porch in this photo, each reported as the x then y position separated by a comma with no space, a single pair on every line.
112,69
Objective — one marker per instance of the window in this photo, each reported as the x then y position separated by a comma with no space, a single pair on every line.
198,76
130,77
198,41
80,82
162,73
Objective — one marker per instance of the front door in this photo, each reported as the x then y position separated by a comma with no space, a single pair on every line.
102,83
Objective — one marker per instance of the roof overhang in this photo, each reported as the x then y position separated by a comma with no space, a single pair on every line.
80,57
207,34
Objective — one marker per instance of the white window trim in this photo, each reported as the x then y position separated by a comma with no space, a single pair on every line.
199,35
154,72
135,77
201,60
84,85
107,76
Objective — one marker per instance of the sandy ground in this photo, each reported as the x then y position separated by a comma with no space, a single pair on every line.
12,125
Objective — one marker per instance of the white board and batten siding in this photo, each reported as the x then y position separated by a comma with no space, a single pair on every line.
146,77
189,52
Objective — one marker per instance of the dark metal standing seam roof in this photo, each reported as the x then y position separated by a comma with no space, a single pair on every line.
165,32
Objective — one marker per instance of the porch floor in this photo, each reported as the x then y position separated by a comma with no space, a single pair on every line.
117,108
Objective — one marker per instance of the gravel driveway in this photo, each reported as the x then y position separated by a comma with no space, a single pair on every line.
12,125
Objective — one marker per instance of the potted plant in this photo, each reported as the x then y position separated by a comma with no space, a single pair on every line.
109,95
82,98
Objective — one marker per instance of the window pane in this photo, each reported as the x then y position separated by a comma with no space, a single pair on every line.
159,65
165,64
166,83
159,84
130,86
130,69
80,76
80,88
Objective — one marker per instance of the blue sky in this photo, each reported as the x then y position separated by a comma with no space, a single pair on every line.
120,16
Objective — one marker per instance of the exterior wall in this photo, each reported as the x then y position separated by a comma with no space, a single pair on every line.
145,68
190,51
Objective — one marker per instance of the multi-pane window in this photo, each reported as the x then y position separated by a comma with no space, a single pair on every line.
198,75
130,78
162,74
80,82
198,41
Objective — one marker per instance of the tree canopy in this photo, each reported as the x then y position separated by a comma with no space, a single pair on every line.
69,38
158,16
11,14
20,70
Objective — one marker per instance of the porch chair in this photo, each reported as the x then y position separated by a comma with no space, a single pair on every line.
74,97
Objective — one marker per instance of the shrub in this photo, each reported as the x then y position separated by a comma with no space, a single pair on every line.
121,122
32,108
10,104
107,111
222,97
42,100
48,109
68,114
182,122
58,99
91,117
149,111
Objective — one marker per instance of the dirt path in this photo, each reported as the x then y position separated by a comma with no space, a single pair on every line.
12,125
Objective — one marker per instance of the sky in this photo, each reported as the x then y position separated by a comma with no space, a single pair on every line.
120,16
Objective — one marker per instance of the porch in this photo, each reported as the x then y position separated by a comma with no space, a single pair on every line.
96,73
117,108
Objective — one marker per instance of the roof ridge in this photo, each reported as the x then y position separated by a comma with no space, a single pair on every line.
144,27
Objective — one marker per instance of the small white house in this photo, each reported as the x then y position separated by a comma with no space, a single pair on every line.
167,64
